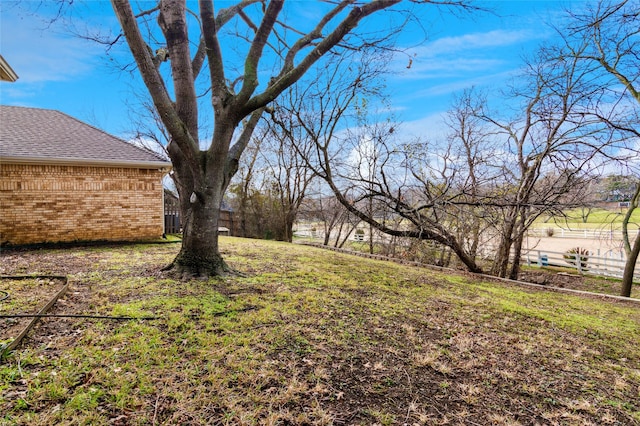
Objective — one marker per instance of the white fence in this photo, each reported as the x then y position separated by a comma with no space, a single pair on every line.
593,234
610,265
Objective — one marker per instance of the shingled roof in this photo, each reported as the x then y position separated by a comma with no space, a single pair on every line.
43,136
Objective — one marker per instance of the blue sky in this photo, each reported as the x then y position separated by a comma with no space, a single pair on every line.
62,72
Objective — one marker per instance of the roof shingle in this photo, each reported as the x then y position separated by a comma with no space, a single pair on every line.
43,134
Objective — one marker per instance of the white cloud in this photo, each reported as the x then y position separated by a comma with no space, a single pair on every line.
449,67
39,56
430,127
475,42
468,53
475,80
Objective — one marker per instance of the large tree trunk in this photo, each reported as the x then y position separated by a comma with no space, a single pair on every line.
630,266
200,200
199,255
501,261
201,192
517,256
475,238
517,245
631,251
289,219
464,257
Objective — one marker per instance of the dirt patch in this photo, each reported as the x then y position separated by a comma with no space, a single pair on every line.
554,279
570,280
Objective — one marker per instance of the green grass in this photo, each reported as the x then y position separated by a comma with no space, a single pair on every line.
596,219
310,336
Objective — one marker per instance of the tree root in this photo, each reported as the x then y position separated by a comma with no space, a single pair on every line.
186,268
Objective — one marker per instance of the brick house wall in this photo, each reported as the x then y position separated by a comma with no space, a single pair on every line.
58,203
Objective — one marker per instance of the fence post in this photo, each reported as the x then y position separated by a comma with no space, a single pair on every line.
578,257
607,265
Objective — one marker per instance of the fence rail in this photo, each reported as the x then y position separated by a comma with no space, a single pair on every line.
609,266
595,234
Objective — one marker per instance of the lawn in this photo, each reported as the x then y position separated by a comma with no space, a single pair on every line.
596,219
313,337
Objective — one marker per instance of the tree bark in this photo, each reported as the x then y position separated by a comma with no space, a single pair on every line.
501,261
629,267
517,244
517,255
631,251
199,255
289,218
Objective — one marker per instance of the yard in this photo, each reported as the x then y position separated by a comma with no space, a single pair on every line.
597,218
308,337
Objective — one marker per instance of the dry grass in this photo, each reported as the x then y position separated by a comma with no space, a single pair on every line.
311,337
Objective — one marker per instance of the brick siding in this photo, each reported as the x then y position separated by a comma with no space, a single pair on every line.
53,203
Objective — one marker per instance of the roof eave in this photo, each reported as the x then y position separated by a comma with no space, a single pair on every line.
164,166
6,72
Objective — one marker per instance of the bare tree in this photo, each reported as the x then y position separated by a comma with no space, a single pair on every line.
450,194
632,250
469,154
321,206
549,146
284,151
188,40
607,36
308,115
342,220
242,187
368,171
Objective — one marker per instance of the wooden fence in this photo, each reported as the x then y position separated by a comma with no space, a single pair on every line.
172,223
226,224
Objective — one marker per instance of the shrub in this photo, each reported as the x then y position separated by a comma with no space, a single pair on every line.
423,252
571,257
550,232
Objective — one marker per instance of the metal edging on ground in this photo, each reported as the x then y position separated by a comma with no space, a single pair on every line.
16,342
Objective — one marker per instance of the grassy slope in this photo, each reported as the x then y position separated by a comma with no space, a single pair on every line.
597,219
315,337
